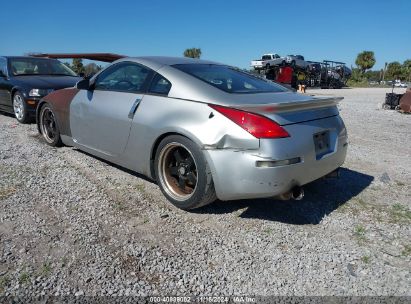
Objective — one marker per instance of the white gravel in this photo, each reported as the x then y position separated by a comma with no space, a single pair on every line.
71,224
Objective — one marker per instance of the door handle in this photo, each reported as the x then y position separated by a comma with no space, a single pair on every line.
134,108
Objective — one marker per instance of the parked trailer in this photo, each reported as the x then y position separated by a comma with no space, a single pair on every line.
334,74
327,74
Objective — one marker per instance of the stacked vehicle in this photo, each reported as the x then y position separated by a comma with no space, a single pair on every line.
325,74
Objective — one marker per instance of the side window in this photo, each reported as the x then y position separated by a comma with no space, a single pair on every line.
123,77
3,65
159,85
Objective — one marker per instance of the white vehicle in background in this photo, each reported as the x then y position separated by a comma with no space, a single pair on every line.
267,61
400,84
297,61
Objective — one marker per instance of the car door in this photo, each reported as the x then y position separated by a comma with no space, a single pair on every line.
5,98
100,119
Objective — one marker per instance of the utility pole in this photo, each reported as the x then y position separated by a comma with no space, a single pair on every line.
385,69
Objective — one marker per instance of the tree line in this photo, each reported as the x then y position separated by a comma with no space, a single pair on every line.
365,61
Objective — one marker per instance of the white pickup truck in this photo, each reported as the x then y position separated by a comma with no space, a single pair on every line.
266,61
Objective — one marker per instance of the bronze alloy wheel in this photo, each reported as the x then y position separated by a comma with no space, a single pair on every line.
48,125
177,171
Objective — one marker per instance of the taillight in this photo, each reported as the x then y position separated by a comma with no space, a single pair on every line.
257,125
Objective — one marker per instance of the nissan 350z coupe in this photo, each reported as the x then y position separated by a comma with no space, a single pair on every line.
201,129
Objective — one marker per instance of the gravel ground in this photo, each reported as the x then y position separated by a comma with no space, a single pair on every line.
71,224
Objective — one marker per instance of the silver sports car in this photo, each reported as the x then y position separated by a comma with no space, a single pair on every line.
201,129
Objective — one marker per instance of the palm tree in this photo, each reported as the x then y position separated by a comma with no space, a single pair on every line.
192,53
365,60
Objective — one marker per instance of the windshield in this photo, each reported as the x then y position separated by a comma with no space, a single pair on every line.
38,66
229,79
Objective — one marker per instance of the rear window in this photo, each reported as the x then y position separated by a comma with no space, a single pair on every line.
229,79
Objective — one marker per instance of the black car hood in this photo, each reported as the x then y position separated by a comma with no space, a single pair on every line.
45,81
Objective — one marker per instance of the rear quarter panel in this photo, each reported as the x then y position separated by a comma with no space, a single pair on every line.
157,116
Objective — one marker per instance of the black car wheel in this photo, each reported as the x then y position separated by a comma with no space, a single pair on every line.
183,173
20,108
48,126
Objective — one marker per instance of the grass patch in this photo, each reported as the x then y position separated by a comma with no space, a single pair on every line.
399,183
268,230
46,269
394,214
399,213
4,281
141,188
406,251
398,207
359,232
24,278
366,259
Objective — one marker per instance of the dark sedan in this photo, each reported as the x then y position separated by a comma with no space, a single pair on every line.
25,80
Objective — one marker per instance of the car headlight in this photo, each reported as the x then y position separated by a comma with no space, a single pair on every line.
39,92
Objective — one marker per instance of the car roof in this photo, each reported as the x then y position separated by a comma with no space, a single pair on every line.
155,62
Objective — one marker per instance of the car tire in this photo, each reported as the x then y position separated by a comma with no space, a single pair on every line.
293,64
267,66
20,108
183,174
48,126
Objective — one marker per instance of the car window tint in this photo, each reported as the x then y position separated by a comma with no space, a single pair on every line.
39,66
123,77
229,79
159,85
3,64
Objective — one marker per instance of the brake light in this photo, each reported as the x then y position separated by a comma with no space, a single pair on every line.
257,125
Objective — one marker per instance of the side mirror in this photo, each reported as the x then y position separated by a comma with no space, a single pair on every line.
84,85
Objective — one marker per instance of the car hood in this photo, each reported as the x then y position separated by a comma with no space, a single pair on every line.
46,82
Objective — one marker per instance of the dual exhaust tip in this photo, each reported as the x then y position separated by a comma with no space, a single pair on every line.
296,193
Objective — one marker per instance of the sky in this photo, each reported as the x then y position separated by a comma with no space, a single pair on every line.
228,31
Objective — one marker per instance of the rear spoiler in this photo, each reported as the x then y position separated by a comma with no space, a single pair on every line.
105,57
289,106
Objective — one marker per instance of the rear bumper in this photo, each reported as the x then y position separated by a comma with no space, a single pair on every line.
257,66
239,174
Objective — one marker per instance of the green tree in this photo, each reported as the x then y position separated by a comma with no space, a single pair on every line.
91,69
407,69
356,75
192,53
365,60
394,70
373,75
77,65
